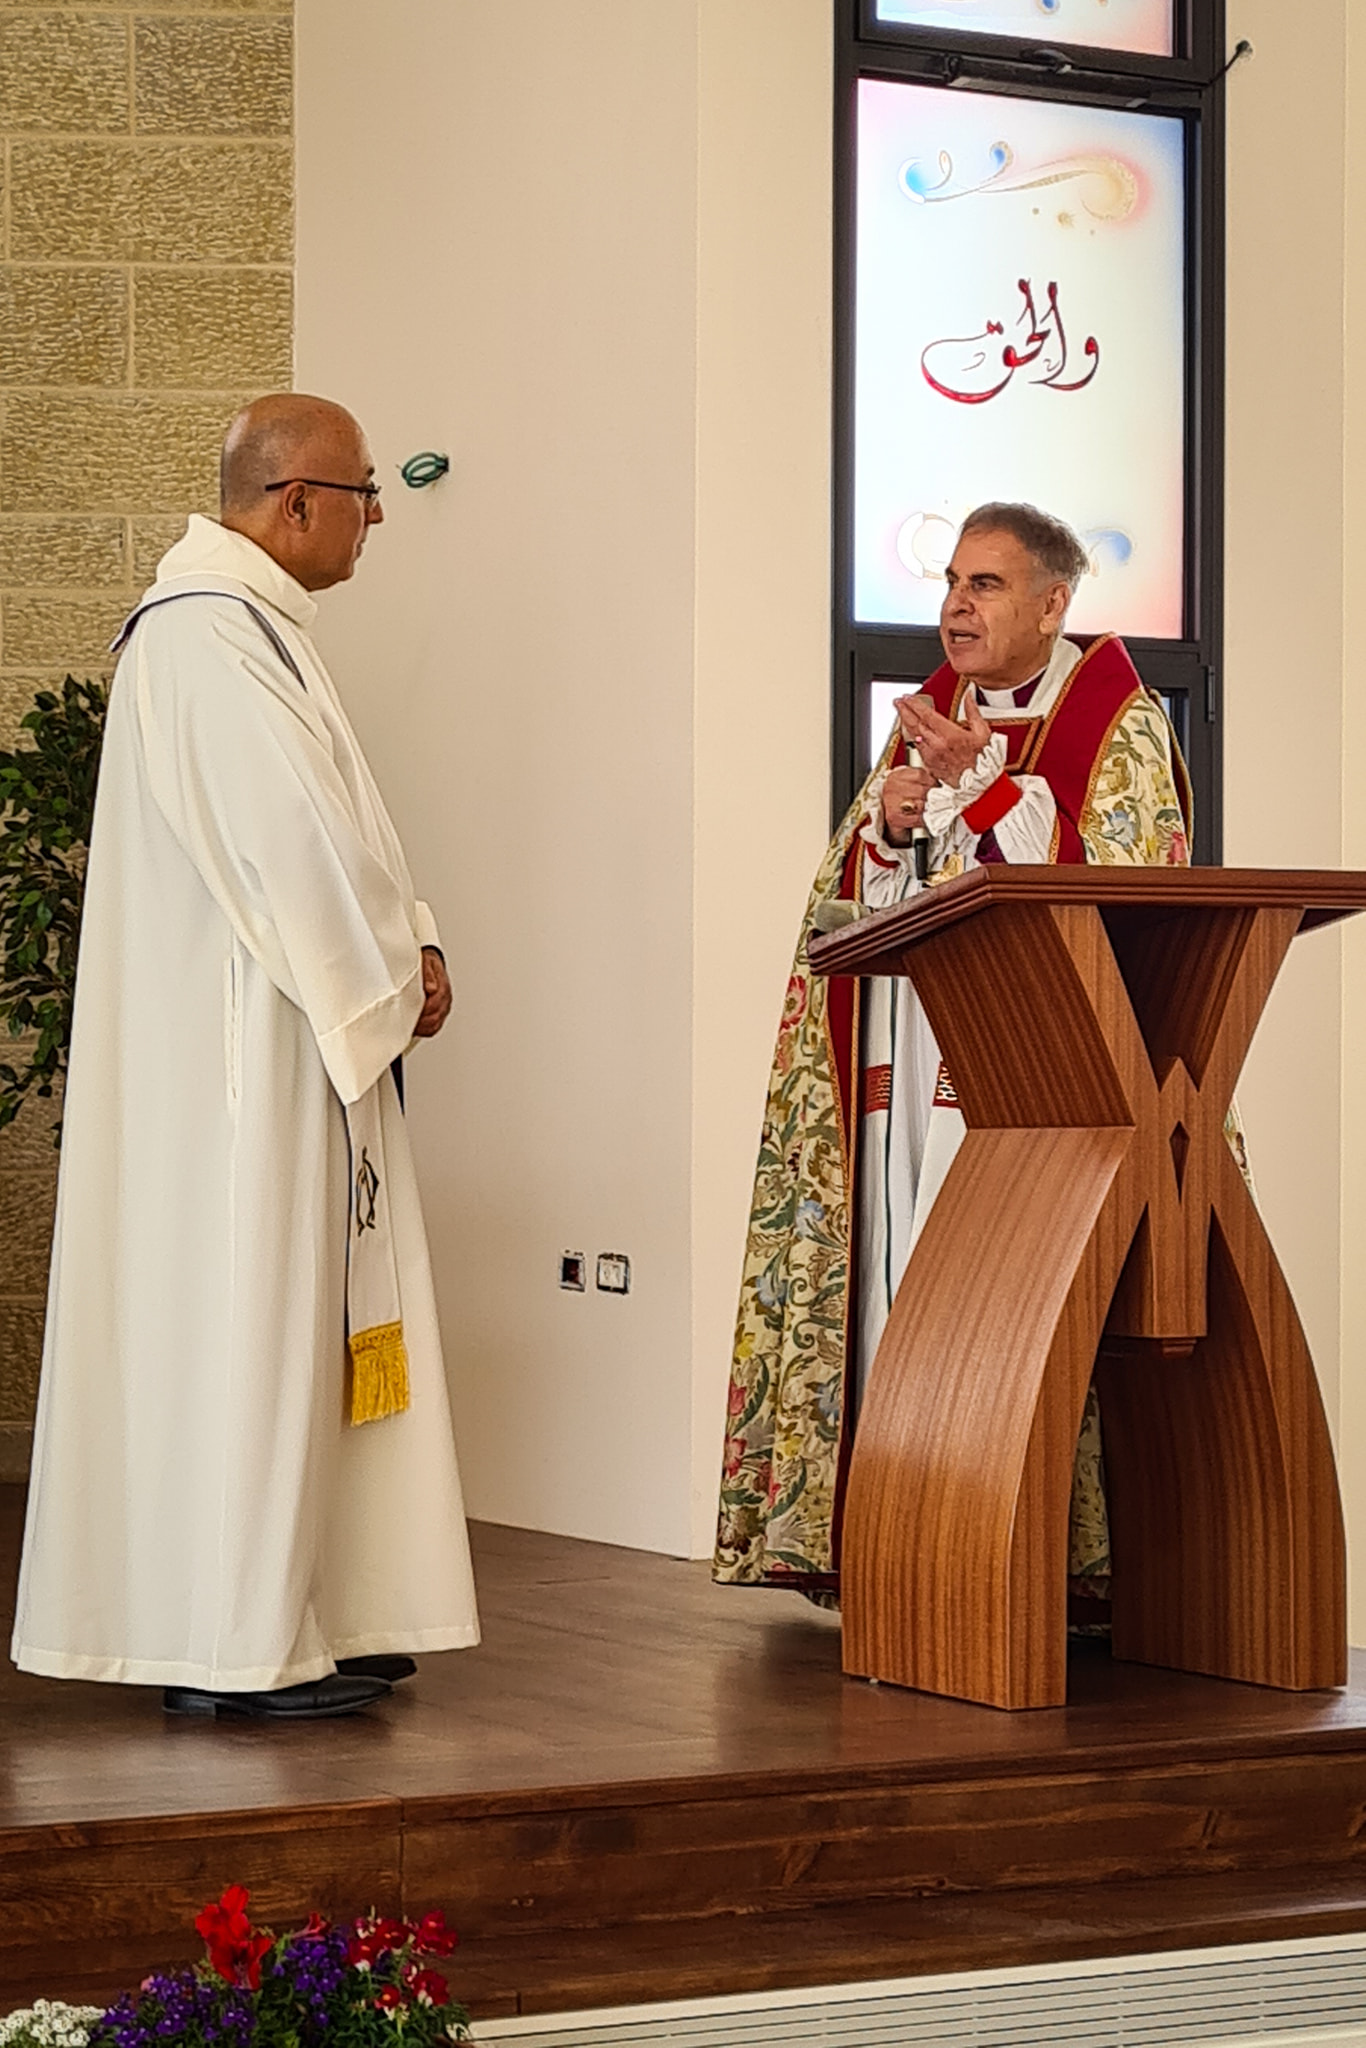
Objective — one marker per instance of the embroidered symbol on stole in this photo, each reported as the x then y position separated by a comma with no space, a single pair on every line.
367,1191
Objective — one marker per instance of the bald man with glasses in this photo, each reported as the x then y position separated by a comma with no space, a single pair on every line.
244,1483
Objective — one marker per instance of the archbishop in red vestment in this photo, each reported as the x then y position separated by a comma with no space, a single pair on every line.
1036,748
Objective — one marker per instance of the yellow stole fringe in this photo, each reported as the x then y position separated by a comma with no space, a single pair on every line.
379,1373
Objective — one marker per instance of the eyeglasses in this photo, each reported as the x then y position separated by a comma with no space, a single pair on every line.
369,492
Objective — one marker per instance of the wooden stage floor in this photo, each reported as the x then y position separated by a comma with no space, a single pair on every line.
643,1786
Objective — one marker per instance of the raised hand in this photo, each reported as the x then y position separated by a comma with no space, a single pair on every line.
947,748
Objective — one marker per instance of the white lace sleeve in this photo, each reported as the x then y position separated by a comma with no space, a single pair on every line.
1025,833
947,801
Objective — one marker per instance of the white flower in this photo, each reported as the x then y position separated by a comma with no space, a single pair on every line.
49,2024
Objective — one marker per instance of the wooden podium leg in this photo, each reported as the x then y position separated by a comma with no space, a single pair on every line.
1225,1528
954,1566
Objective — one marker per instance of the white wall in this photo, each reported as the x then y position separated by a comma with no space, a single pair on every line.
1295,680
761,789
1352,1433
1284,570
585,250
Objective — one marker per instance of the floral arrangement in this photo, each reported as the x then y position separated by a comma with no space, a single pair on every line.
369,1984
49,2024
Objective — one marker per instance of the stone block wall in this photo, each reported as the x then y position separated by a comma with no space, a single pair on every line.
146,290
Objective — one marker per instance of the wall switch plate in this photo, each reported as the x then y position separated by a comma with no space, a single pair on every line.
614,1273
574,1271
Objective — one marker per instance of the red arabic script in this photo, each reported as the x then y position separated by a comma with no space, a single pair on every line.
971,370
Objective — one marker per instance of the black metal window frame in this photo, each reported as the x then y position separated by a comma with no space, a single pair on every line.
1185,672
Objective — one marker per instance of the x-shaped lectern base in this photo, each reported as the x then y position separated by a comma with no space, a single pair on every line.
1094,1021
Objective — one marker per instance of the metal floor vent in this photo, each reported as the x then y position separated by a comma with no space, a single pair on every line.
1278,1995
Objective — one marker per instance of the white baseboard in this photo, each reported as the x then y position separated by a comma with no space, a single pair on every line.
1305,1994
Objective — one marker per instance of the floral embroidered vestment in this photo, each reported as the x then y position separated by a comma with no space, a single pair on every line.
1107,753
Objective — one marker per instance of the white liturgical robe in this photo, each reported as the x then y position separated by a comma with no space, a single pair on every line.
909,1143
201,1513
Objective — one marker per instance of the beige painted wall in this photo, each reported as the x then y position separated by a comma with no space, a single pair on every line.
587,250
1295,682
506,272
1352,1432
146,238
761,776
581,252
1283,565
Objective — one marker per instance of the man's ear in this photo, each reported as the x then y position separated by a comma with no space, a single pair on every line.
294,505
1055,610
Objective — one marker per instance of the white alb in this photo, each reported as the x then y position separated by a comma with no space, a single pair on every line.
200,1513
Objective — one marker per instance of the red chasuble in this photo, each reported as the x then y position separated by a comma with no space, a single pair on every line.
1066,747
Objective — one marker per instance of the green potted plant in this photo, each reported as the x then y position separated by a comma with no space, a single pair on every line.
47,801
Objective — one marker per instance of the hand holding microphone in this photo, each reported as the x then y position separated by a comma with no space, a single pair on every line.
938,749
903,800
903,807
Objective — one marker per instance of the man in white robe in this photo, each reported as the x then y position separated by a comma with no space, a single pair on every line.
207,1512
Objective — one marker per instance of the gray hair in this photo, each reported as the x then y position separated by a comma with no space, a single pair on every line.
1050,541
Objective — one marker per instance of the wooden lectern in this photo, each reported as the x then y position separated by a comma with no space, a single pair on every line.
1094,1021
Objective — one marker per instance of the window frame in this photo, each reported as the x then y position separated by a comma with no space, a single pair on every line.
1187,671
1195,60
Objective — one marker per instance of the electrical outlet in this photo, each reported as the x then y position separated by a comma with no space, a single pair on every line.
614,1273
574,1271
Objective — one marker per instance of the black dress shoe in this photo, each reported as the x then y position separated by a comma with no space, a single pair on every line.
317,1700
389,1668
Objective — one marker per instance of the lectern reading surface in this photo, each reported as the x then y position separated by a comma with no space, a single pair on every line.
1094,1021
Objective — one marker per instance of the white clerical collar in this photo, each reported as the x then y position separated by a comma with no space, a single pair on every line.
1048,686
208,549
1009,698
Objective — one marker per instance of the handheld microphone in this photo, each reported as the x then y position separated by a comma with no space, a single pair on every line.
920,838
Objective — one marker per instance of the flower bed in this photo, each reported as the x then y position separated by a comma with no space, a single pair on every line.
368,1984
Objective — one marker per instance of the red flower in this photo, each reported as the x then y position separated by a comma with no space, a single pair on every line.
388,1999
235,1948
317,1927
428,1987
372,1940
364,1949
226,1919
258,1947
432,1937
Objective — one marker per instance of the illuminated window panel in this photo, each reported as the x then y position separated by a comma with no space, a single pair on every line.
881,717
1020,334
1141,25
